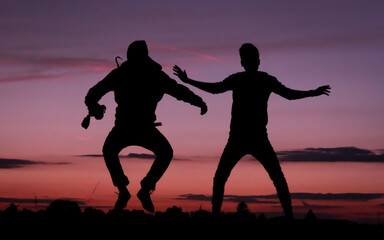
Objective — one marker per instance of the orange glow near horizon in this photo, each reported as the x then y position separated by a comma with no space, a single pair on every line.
87,181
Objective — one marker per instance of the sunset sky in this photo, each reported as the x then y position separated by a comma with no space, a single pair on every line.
52,52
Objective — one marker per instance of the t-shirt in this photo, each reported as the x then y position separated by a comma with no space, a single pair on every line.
251,92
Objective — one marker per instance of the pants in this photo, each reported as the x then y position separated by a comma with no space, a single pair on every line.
148,137
258,146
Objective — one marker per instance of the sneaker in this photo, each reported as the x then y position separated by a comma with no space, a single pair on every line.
122,199
145,199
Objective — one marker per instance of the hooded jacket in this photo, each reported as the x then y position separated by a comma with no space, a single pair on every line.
138,87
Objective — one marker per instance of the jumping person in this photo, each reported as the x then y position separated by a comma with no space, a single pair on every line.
138,85
248,134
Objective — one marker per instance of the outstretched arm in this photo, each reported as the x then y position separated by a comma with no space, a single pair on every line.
291,94
208,87
182,93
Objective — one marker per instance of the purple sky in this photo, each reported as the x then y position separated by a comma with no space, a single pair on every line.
52,52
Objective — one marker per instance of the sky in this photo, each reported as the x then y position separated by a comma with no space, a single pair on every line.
52,52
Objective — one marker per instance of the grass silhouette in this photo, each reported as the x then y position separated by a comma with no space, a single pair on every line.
66,218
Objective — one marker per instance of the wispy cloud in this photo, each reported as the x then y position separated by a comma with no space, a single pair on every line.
337,196
141,156
7,163
133,155
91,155
317,206
340,154
38,200
82,138
247,199
45,61
299,196
227,198
197,197
329,196
30,77
370,37
159,47
43,66
326,41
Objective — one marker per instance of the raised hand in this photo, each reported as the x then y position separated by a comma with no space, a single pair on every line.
182,75
322,90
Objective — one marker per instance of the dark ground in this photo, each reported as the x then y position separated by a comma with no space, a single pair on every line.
64,219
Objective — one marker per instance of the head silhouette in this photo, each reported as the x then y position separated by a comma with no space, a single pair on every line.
137,51
249,56
137,54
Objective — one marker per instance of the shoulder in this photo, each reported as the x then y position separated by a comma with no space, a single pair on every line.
233,78
267,76
112,76
163,76
115,72
274,84
237,75
120,71
163,80
272,80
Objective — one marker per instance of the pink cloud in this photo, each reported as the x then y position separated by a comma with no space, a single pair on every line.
42,64
159,47
325,41
32,77
80,138
54,61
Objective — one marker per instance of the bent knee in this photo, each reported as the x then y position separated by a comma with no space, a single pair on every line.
169,153
109,150
166,153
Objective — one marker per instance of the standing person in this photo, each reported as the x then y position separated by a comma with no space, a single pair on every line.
138,84
248,133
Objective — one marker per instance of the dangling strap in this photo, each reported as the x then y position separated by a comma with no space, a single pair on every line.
117,63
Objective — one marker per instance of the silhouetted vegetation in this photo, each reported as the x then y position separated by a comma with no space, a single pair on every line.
66,217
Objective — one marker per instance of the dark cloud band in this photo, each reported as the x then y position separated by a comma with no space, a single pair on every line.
133,155
340,154
7,163
300,196
38,200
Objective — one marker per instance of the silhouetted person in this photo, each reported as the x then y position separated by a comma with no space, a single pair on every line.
138,84
248,134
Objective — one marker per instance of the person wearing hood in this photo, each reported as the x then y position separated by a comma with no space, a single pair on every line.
138,85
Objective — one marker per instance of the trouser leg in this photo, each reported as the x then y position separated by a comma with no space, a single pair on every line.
268,159
231,155
111,149
159,145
